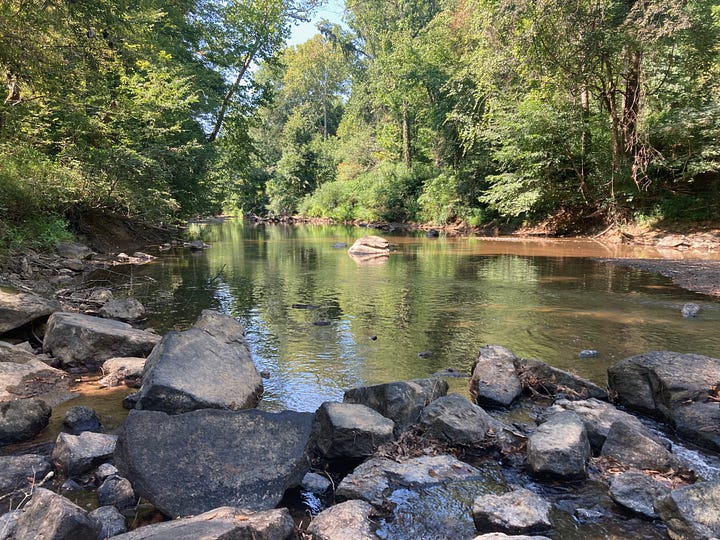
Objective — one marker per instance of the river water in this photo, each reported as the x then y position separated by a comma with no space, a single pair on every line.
319,322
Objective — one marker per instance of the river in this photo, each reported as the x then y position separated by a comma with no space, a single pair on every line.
319,322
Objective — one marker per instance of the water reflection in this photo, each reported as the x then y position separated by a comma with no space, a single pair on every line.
450,296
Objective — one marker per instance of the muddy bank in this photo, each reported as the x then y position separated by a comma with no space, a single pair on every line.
699,276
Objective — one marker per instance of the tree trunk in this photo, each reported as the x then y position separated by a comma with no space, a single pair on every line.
406,142
229,95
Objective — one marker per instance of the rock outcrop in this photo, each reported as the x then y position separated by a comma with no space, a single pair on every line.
190,463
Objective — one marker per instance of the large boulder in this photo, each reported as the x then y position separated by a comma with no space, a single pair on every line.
22,419
77,340
637,492
674,387
401,401
494,382
516,512
23,374
375,478
559,448
207,366
691,512
53,517
190,463
74,455
20,308
634,449
350,519
454,420
547,379
598,416
223,523
351,430
19,472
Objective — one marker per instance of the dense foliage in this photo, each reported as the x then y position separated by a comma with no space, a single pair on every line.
458,110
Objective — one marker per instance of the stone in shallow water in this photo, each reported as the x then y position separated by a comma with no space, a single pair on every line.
517,512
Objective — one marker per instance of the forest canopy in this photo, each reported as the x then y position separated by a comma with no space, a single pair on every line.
413,110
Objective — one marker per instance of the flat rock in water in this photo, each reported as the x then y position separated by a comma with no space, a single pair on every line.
519,511
401,401
207,366
224,523
503,536
20,472
556,381
53,517
674,387
350,519
23,374
372,480
76,339
637,492
454,420
20,308
189,463
494,381
559,448
351,430
691,512
370,245
22,419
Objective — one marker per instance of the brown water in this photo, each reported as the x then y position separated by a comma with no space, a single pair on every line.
445,298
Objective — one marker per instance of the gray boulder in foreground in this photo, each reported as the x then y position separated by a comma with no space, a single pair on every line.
74,455
455,420
53,517
189,463
76,339
559,448
494,382
351,430
401,401
691,512
633,449
637,492
22,419
224,523
349,519
516,512
674,387
207,366
373,479
598,416
19,472
20,308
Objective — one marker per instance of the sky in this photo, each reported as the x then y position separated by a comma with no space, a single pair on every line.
332,10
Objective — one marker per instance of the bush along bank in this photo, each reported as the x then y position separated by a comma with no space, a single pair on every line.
535,450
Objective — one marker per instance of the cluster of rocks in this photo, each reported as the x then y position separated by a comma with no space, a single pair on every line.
386,462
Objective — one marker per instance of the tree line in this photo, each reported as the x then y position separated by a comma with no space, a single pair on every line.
440,111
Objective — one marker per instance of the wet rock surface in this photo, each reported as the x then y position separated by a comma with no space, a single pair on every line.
637,492
350,519
517,512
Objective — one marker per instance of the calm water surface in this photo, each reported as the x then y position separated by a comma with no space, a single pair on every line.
320,322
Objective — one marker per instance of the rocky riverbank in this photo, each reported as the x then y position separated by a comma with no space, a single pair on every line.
535,451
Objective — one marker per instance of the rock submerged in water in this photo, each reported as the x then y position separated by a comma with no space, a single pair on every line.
690,310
